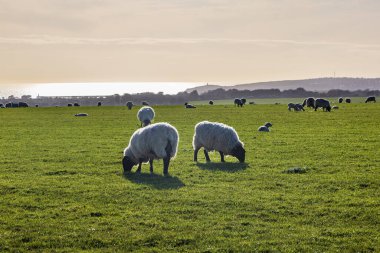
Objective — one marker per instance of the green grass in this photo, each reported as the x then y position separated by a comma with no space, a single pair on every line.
311,184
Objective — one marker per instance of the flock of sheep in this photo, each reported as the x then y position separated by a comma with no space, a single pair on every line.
160,141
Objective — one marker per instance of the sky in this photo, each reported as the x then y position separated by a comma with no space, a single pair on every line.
184,42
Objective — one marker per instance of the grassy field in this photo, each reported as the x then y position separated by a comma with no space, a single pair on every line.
63,190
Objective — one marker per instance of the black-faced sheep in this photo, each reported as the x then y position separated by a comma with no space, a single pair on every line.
370,99
219,137
129,104
340,100
145,115
238,102
144,103
320,102
309,102
265,127
210,102
156,141
189,106
348,100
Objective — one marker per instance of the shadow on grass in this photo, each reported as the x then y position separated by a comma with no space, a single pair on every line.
156,181
226,167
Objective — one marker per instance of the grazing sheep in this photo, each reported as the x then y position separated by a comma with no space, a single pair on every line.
11,105
371,99
69,105
99,103
129,104
156,141
309,102
348,100
320,102
298,107
144,103
211,102
291,106
81,114
76,104
22,104
238,102
145,115
219,137
243,100
340,100
2,106
265,128
37,106
189,106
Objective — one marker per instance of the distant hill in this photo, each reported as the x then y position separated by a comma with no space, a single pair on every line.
317,84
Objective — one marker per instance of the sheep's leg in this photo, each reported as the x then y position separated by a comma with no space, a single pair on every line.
196,154
206,155
221,156
166,165
151,166
139,168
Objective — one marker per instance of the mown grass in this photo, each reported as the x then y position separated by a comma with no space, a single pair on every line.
62,187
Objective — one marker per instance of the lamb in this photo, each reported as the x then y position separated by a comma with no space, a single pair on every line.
309,102
265,128
145,115
156,141
238,102
291,106
129,104
340,100
348,100
219,137
320,102
371,98
189,106
211,102
295,107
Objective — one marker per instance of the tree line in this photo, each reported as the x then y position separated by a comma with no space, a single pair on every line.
180,98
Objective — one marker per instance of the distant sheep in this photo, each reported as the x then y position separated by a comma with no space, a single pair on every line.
99,103
340,100
2,106
81,114
145,115
295,107
320,102
189,106
265,127
11,105
370,99
129,104
37,106
22,104
76,104
291,106
251,103
156,141
69,105
348,100
211,102
243,100
144,103
219,137
238,102
309,102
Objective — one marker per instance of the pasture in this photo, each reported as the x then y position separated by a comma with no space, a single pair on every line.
311,184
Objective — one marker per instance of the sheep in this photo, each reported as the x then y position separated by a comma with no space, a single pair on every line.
156,141
69,105
99,103
340,100
2,106
219,137
144,103
265,127
37,106
348,100
291,106
320,102
211,102
82,114
371,99
129,104
252,103
76,104
243,100
189,106
298,107
309,102
145,115
238,102
22,104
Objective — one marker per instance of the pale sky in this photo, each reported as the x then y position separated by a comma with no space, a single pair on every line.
240,41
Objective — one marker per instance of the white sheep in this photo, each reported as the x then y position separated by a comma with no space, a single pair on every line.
219,137
156,141
145,115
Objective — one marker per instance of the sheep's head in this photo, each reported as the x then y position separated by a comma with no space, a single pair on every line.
128,164
268,124
239,152
146,122
328,108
